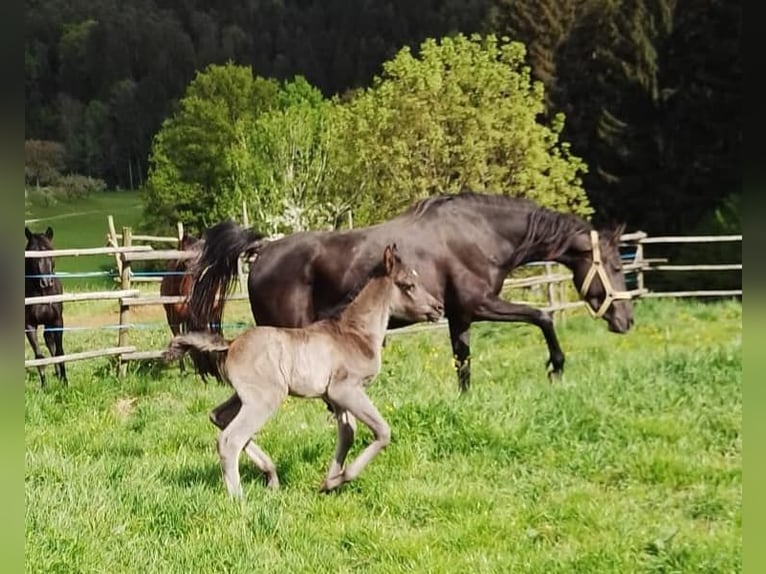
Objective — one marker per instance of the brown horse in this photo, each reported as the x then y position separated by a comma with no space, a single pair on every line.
333,359
178,282
39,280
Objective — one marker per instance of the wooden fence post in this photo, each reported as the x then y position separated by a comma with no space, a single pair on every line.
241,260
114,243
551,290
127,240
639,258
180,228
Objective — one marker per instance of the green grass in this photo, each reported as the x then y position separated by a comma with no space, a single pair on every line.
83,223
632,463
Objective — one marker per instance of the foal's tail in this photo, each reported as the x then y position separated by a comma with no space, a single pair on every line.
208,352
215,270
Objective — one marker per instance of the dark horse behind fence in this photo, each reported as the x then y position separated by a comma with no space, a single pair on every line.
177,282
39,280
463,246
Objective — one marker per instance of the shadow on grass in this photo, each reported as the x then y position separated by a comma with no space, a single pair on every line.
210,476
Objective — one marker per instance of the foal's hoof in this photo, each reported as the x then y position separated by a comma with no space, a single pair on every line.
330,484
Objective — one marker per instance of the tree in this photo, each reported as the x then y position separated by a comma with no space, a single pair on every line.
239,138
462,115
201,165
43,161
297,171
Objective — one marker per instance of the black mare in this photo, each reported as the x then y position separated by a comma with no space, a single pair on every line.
463,246
39,280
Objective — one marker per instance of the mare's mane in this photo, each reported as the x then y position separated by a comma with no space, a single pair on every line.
549,234
431,205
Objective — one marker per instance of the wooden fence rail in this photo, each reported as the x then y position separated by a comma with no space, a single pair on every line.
549,285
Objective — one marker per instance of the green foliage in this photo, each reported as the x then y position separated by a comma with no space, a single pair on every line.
296,173
202,166
463,114
43,161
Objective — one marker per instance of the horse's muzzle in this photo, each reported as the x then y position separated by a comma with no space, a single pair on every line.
620,325
436,313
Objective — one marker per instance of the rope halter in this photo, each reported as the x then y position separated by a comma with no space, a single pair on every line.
597,268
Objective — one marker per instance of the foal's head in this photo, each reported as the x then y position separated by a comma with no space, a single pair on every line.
599,277
39,269
409,299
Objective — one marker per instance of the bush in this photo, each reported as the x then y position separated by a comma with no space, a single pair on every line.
75,186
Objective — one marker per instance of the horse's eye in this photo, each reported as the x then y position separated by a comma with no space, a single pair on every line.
406,287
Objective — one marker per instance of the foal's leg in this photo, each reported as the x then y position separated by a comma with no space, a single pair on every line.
222,415
353,398
31,332
232,440
493,308
460,336
346,429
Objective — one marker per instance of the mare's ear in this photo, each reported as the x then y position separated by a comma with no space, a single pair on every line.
388,258
28,233
49,233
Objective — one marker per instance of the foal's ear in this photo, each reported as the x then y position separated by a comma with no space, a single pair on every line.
388,258
49,233
28,232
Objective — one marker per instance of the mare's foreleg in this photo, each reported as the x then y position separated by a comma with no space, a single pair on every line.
460,336
495,309
222,415
31,332
351,397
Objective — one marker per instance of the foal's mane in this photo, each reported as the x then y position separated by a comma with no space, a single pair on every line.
334,312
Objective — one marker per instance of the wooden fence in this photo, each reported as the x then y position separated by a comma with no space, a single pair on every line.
548,285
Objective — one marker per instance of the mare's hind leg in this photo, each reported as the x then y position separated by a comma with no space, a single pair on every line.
251,417
346,429
351,396
31,333
222,415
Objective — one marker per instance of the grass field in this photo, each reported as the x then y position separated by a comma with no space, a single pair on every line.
632,463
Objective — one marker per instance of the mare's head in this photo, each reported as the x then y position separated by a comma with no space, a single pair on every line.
189,242
409,300
39,270
600,280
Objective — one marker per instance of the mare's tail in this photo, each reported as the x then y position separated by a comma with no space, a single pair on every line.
213,274
208,350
